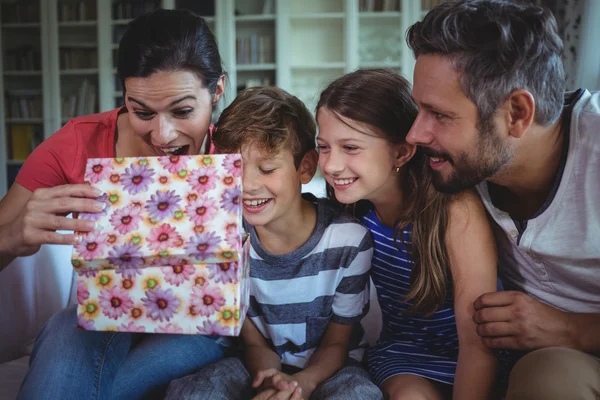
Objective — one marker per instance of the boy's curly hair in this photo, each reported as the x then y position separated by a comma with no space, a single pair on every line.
268,117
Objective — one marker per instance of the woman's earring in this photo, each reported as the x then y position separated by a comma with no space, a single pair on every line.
397,170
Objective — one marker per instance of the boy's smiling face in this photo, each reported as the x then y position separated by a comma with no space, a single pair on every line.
271,184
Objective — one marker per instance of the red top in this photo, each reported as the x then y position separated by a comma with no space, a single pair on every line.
61,159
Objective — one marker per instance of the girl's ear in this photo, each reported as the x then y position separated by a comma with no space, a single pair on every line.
308,166
404,152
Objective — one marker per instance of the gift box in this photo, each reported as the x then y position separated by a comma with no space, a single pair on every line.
167,254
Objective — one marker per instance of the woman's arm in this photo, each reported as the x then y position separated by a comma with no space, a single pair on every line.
473,261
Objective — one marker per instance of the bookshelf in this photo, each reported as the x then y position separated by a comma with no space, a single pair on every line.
57,52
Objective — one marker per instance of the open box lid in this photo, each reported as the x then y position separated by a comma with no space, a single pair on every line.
163,211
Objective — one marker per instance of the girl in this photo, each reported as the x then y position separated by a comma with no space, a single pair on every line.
172,77
434,254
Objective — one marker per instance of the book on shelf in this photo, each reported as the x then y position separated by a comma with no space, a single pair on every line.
129,9
24,103
20,12
76,58
378,5
22,58
204,8
82,102
255,49
81,10
23,138
268,7
266,81
429,4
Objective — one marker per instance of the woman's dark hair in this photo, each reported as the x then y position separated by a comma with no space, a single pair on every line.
169,40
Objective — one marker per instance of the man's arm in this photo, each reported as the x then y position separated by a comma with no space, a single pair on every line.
515,320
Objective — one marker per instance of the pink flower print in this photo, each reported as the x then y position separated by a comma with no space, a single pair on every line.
92,245
115,302
173,164
95,216
163,205
126,219
177,274
232,238
233,164
202,210
131,327
203,245
169,328
213,328
127,255
82,293
207,299
203,179
136,178
98,170
84,323
163,237
223,272
230,200
88,273
160,304
129,273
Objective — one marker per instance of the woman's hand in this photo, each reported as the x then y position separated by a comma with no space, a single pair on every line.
40,214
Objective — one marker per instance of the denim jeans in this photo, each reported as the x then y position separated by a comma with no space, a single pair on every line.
68,363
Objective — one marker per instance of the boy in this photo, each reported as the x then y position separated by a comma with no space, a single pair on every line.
309,267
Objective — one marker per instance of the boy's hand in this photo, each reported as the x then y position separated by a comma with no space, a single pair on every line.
273,378
274,394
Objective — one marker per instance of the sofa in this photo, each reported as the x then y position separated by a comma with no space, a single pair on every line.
32,289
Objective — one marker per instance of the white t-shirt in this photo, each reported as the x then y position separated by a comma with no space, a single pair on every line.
555,256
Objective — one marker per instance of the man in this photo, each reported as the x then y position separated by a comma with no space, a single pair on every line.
489,84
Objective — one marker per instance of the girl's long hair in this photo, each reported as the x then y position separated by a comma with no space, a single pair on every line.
381,99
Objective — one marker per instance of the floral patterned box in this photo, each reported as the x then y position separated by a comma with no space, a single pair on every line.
167,254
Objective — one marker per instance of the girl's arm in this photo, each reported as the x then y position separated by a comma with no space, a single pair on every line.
473,260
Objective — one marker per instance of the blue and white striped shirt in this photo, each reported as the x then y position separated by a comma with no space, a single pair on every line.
409,344
294,296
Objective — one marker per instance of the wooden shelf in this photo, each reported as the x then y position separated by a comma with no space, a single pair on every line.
15,162
79,71
380,14
22,73
322,65
380,64
121,21
21,25
255,18
24,120
68,24
330,15
256,67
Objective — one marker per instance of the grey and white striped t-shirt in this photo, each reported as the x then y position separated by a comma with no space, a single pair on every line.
294,296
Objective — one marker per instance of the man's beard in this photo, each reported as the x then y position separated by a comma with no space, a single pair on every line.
490,157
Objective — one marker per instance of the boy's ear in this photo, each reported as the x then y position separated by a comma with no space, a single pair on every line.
308,166
404,152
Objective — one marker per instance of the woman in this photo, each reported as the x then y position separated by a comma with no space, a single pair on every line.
172,76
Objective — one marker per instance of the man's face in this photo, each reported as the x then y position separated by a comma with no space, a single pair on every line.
462,151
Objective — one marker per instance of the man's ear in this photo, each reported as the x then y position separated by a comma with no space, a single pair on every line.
521,112
404,152
308,166
219,91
